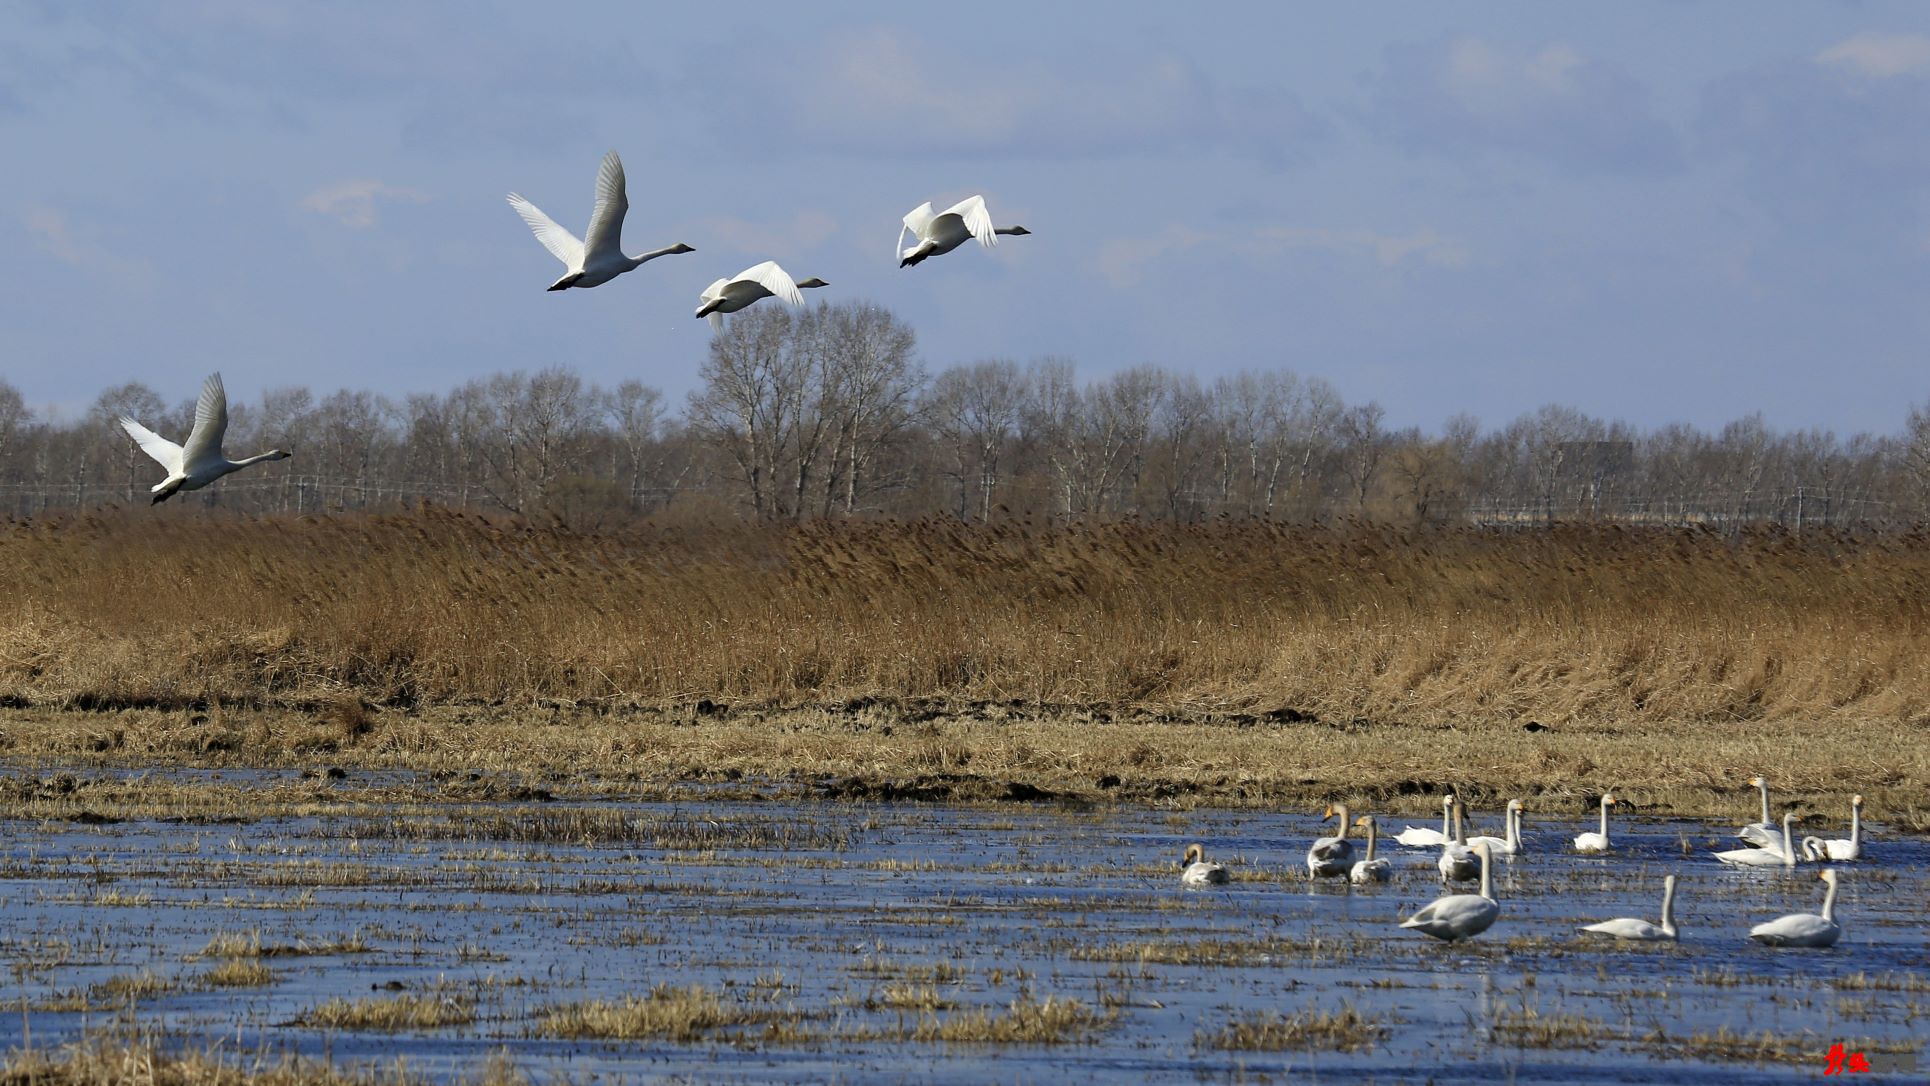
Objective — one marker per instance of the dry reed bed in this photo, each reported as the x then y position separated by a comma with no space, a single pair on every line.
1352,622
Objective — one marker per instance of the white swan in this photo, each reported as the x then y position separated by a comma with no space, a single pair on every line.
598,258
1423,837
1458,862
1815,848
939,233
1460,916
1198,871
200,461
1761,834
1804,929
1763,857
1511,844
1631,928
1369,869
1597,842
765,280
1331,857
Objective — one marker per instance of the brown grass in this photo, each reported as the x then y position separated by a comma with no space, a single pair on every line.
1577,623
667,1013
1343,1030
407,1011
119,1061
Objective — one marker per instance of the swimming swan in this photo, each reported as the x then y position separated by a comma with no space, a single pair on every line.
1763,857
1461,916
1597,842
938,234
1369,869
765,280
598,258
1815,848
1804,929
1198,871
200,461
1510,845
1332,857
1458,861
1761,834
1630,928
1422,837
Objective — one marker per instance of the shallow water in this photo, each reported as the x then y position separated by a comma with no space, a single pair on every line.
819,914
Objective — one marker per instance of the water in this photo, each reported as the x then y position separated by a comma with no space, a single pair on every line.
819,915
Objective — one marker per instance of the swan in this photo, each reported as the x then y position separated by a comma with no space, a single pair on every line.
765,280
1815,848
1804,929
1369,869
1761,834
1457,860
598,258
1422,837
1332,856
1631,928
940,233
1198,871
1763,857
1510,845
200,461
1597,842
1461,916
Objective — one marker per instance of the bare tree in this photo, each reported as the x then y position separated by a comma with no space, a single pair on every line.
975,410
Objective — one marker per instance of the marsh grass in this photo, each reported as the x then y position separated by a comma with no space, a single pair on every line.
406,1011
239,973
115,1060
1311,1029
349,613
1051,1021
667,1013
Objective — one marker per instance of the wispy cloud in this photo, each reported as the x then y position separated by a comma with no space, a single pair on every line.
59,238
884,92
1465,96
353,203
1124,261
1879,56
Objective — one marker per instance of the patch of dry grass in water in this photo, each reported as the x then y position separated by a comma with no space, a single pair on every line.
407,1011
239,973
1051,1021
118,1061
667,1013
1343,1030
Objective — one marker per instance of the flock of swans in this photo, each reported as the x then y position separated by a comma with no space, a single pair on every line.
592,260
1462,916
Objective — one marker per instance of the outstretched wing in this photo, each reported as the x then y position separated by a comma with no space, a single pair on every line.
165,453
776,280
210,423
604,238
916,222
560,242
978,221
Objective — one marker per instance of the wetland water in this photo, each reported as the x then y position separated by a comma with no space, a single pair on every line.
847,942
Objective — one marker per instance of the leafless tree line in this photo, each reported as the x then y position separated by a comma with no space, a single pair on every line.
828,412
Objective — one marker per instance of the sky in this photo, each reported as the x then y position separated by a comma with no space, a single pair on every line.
1655,212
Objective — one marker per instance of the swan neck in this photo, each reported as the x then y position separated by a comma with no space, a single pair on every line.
1668,906
1514,829
1856,824
1370,842
1762,785
1487,876
256,459
1789,847
1829,903
1344,827
1604,822
1460,837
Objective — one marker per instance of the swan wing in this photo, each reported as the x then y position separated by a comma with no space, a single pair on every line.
774,279
210,424
978,221
919,220
560,242
604,238
1761,835
164,452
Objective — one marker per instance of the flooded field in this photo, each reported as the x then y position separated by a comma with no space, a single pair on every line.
724,938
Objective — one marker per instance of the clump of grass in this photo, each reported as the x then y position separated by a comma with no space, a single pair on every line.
1051,1021
1311,1029
1529,1028
126,987
667,1013
105,1060
406,1011
239,973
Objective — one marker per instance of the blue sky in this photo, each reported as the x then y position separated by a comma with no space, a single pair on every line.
1648,211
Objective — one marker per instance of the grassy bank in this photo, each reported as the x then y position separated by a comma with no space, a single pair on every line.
1582,624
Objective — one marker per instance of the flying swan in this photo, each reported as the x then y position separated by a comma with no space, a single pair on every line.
1198,871
1461,916
1630,928
765,280
200,461
938,234
598,258
1804,929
